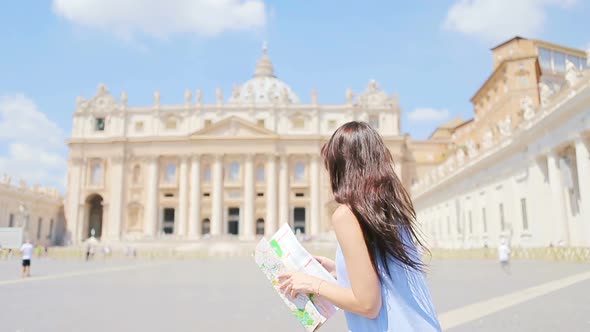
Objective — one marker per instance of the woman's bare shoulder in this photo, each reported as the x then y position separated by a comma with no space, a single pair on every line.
342,213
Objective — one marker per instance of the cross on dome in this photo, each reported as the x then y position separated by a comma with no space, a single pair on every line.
264,67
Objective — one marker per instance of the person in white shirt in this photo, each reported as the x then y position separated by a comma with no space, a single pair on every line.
27,250
504,255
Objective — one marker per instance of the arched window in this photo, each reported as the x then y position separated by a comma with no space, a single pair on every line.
136,174
299,171
260,173
170,175
260,226
96,173
234,171
207,173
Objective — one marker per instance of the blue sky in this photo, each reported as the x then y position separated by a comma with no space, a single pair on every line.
434,54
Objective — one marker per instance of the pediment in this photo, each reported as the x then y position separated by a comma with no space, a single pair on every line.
233,127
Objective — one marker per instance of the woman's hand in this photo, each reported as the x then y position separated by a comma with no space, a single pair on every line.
328,264
293,283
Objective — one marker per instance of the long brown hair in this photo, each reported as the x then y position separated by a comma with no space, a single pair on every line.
362,177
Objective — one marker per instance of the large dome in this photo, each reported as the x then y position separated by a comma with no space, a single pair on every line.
264,87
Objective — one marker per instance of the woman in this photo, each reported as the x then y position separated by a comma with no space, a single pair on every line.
381,285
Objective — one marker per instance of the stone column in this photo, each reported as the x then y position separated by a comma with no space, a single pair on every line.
284,190
182,196
74,222
116,197
194,217
270,226
151,206
314,203
247,231
560,223
217,197
536,211
583,166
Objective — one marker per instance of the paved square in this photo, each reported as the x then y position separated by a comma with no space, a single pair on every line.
232,295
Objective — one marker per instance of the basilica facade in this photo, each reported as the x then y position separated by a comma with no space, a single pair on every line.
237,168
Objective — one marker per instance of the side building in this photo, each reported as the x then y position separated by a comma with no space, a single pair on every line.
39,211
520,169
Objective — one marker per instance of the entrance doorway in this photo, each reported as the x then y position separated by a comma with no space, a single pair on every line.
168,220
206,229
260,226
233,221
299,220
95,211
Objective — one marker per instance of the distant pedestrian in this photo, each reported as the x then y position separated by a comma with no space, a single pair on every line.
89,251
106,252
39,250
27,250
504,256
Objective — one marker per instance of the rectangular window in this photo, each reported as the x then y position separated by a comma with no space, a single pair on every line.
525,220
207,174
458,215
558,62
299,194
170,175
139,126
260,174
502,222
374,121
168,195
260,194
207,123
206,194
331,124
50,235
575,60
260,123
11,220
298,123
470,223
545,58
484,220
99,124
39,227
448,225
171,124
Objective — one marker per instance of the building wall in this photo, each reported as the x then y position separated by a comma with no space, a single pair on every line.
533,182
42,217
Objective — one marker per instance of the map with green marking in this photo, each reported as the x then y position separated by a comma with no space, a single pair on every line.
283,253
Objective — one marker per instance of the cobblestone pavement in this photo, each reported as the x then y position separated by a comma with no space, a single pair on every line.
232,295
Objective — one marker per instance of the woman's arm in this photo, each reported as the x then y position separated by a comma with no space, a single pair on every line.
364,296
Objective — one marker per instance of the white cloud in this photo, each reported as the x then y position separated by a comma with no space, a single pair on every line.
494,21
157,18
35,146
426,114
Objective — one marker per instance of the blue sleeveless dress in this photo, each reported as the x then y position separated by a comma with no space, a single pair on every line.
406,301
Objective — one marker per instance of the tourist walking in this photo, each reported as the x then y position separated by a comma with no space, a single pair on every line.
27,251
504,255
381,284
